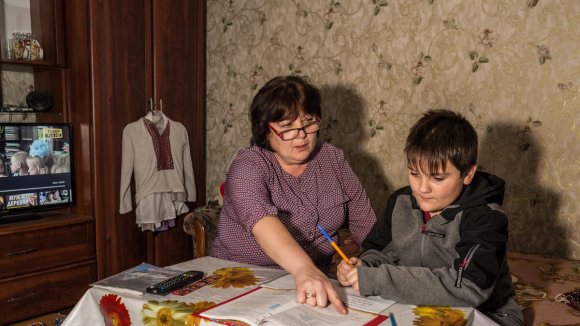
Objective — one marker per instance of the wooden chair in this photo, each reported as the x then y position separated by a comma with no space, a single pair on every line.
201,224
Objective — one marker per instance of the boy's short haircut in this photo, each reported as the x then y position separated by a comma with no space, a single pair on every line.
441,136
20,157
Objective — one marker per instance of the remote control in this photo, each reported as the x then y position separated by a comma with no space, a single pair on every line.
173,283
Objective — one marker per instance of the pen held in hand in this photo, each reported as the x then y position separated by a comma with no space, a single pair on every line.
336,247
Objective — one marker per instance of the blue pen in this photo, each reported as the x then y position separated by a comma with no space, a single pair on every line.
337,248
392,318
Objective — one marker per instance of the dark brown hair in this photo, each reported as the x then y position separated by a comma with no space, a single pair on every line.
442,136
282,98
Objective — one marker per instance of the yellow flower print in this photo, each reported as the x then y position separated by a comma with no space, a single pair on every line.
237,277
428,316
169,313
192,320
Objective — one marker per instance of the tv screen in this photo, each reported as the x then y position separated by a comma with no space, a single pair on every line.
36,169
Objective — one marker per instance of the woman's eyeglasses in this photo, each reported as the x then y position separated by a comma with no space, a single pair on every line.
293,133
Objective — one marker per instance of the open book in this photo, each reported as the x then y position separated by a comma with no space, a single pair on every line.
265,306
349,297
137,279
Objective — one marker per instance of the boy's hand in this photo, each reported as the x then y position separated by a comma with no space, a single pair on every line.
352,279
344,271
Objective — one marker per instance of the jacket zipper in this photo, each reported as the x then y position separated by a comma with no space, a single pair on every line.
422,240
464,264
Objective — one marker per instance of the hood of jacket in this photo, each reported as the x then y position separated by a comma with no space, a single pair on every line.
484,189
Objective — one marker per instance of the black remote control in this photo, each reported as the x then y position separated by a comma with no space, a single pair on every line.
173,283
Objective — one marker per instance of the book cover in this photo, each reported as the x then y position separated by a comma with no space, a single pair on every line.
137,279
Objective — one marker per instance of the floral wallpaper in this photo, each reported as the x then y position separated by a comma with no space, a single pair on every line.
511,67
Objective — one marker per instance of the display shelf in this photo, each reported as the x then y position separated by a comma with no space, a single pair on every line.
47,261
43,19
36,113
23,64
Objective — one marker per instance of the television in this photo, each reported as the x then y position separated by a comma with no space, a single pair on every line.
36,169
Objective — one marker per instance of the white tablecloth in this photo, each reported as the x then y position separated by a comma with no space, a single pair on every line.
106,307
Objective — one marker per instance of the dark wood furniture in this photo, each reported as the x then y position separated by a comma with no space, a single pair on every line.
104,60
201,224
142,50
45,264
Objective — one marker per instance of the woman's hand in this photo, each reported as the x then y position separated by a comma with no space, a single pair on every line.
314,289
312,286
347,274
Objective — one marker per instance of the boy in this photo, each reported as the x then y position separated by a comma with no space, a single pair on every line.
443,239
18,165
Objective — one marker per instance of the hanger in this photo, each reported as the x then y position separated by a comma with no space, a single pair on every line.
155,114
152,108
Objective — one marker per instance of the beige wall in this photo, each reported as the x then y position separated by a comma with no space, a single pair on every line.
511,67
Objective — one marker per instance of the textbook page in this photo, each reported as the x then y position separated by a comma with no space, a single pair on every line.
304,315
252,307
348,295
265,306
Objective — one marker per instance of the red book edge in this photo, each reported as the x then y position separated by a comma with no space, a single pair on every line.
223,321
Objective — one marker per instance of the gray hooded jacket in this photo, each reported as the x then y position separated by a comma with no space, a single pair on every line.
459,257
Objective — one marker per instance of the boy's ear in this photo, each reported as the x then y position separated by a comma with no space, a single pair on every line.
469,175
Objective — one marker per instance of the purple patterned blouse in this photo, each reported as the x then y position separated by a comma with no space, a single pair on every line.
327,193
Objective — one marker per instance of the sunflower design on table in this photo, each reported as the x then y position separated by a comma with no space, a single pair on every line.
439,316
236,277
173,313
114,311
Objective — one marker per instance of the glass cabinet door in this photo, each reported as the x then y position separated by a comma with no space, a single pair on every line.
31,58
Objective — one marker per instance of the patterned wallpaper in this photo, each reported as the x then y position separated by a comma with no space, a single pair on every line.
510,66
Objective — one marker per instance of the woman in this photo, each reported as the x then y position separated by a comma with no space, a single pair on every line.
285,184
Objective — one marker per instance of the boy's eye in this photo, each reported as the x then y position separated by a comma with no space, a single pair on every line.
413,173
438,178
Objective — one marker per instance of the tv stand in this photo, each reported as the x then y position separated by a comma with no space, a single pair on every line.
46,263
14,218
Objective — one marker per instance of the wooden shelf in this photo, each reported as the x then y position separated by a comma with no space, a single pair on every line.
48,219
54,114
47,263
21,64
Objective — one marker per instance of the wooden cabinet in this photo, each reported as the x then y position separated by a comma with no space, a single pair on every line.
37,246
48,263
104,60
141,50
47,74
45,264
